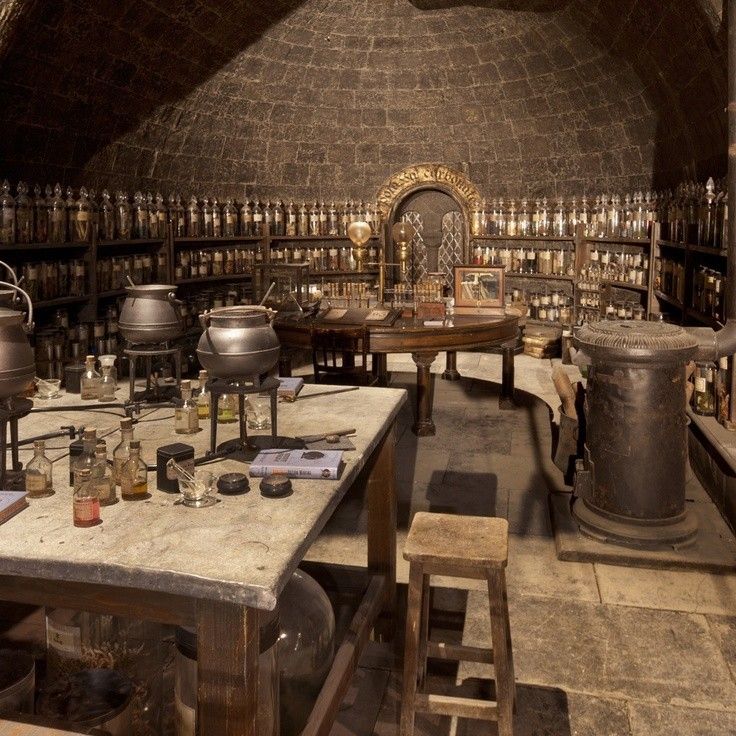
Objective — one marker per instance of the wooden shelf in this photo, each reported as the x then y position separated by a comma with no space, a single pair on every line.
133,242
544,276
722,253
215,241
210,279
528,238
112,293
668,299
625,285
671,244
60,301
704,319
20,248
281,238
619,241
317,274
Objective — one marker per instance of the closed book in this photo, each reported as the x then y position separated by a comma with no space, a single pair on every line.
323,464
289,388
11,502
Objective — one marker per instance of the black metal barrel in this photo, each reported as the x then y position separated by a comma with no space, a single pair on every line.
631,484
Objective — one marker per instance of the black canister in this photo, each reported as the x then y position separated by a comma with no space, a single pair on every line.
178,452
73,378
75,450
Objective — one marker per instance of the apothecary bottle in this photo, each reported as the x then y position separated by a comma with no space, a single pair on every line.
704,396
216,218
90,381
259,228
193,218
86,459
122,216
102,477
268,223
208,219
186,417
23,215
7,215
107,385
121,453
560,219
291,219
140,216
333,220
107,217
477,218
85,502
230,219
202,396
279,218
246,219
134,475
38,473
80,219
227,409
302,225
40,215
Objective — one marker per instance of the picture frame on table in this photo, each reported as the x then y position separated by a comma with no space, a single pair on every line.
479,286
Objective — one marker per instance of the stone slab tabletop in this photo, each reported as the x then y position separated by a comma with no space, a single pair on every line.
243,549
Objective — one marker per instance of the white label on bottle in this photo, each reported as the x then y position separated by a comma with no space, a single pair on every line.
194,217
258,217
35,482
82,216
230,218
278,216
700,383
66,641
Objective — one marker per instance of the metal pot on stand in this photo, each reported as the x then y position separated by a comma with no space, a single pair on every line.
150,314
17,361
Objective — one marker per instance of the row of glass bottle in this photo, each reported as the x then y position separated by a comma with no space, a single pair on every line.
695,213
326,259
549,307
669,278
709,286
547,261
53,279
192,264
608,216
626,268
143,268
58,217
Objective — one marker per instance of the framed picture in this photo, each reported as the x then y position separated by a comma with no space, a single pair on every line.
479,286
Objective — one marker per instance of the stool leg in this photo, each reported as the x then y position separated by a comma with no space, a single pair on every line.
424,630
131,376
411,648
502,656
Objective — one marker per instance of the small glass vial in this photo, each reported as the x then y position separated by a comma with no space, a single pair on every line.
186,418
86,503
38,480
134,475
23,215
102,478
227,411
7,215
107,385
202,397
704,397
121,453
90,381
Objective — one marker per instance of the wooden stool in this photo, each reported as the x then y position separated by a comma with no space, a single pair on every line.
467,547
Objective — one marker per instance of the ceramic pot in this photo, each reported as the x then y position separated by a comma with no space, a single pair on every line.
17,361
150,314
237,342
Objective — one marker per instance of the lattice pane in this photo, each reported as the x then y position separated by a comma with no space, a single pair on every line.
451,249
418,263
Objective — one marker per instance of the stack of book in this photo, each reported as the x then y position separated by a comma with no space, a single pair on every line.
542,343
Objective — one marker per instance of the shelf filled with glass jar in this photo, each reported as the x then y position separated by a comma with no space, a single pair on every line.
330,259
214,264
529,261
707,294
47,282
556,307
142,268
626,269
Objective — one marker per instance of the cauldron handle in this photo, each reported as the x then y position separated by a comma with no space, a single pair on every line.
29,324
171,296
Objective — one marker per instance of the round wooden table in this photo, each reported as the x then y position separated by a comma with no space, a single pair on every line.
409,335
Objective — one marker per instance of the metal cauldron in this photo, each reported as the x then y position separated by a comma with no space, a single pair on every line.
17,361
630,487
238,342
150,314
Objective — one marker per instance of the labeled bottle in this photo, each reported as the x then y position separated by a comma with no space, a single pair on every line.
704,398
101,476
23,215
202,397
7,215
186,416
90,381
122,216
106,217
40,215
38,479
121,453
227,409
86,459
86,503
134,475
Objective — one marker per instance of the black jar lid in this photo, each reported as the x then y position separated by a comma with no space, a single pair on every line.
232,484
276,485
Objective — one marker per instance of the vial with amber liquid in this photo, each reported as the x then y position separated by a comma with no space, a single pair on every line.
134,475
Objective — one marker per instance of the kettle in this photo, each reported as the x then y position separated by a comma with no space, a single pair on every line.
17,361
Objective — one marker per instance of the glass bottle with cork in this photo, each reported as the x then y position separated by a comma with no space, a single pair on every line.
38,479
186,417
86,459
134,475
121,453
90,381
703,397
85,502
107,385
102,477
202,397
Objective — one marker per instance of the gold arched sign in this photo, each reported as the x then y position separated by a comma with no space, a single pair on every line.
426,176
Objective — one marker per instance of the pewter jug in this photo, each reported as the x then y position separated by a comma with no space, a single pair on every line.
237,342
17,363
150,314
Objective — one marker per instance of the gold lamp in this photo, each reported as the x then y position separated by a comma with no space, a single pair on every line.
359,233
402,233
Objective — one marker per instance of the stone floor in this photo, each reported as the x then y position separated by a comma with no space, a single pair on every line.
599,650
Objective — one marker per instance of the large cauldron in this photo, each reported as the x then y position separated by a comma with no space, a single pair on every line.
631,486
17,363
150,314
237,342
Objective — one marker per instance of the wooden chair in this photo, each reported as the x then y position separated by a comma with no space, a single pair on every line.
340,355
457,546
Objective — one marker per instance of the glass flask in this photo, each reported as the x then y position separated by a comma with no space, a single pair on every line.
216,219
122,216
291,219
230,219
259,228
302,225
7,215
23,215
80,219
85,502
38,473
107,217
90,380
193,218
227,409
121,453
107,385
40,215
268,219
86,459
704,395
202,397
246,219
140,216
101,476
186,417
208,225
333,220
134,475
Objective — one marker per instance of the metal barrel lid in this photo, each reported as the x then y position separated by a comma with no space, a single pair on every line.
636,341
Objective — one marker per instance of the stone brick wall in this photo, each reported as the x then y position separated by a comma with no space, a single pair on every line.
329,97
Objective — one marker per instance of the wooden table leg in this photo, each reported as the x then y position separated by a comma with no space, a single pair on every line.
424,426
380,368
451,372
381,499
227,669
506,399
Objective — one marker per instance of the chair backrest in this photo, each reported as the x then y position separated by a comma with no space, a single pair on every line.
340,354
